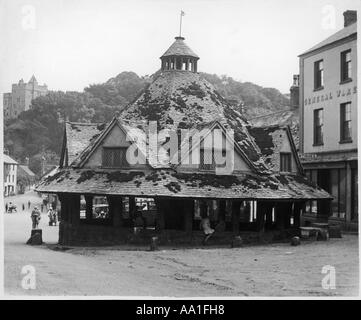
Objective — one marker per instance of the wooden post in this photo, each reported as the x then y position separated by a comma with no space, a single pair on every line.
264,210
283,212
75,209
132,208
115,210
188,213
261,212
222,205
236,205
160,214
88,207
297,214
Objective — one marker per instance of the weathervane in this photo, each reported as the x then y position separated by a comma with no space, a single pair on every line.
180,23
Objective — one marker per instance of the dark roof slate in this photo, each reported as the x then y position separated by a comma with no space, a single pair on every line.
179,48
79,136
169,183
339,35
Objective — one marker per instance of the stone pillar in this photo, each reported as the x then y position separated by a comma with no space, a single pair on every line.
188,214
89,207
236,206
195,65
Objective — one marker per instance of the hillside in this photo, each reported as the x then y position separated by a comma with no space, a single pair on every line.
37,133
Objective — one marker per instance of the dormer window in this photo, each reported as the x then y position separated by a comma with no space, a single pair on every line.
286,163
115,157
207,159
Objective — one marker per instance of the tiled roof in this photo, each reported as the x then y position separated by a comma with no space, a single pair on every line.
266,140
339,35
8,159
169,183
79,136
281,118
179,48
184,100
27,170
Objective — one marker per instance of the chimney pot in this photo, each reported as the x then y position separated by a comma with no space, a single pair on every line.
350,17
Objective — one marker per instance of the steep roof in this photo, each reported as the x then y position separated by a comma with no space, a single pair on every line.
179,48
281,118
79,136
185,100
270,140
27,171
339,35
9,160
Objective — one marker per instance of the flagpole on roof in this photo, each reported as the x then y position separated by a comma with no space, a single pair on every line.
180,22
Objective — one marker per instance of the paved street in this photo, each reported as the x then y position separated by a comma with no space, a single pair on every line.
272,270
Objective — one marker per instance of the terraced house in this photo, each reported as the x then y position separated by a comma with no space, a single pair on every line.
328,122
105,198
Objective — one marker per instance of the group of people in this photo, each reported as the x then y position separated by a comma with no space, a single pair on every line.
36,216
11,207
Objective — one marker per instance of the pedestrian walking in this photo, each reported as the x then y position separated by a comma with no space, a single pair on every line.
29,204
35,217
6,207
42,208
23,206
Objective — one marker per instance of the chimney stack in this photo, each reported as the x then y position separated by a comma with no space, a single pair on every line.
295,92
350,17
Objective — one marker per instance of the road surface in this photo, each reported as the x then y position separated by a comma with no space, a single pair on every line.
267,270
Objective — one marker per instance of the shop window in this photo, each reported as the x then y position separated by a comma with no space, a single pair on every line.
354,194
345,122
318,73
311,206
342,194
334,192
346,66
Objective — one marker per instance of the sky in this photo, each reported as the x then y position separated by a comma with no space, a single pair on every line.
69,44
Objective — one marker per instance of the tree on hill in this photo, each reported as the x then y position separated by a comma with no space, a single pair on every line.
39,130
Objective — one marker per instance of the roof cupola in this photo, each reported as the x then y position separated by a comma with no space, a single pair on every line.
179,57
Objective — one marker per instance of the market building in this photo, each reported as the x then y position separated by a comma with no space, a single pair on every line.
328,123
120,182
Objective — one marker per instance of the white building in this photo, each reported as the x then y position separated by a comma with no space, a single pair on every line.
10,175
328,123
